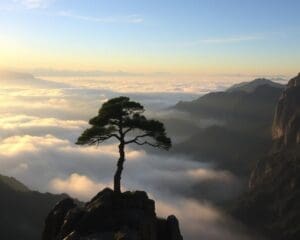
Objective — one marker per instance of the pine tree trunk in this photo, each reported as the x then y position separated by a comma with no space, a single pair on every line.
118,173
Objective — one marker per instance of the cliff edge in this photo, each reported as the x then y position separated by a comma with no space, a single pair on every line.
286,125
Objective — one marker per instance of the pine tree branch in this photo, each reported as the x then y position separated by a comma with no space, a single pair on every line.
147,143
98,140
137,138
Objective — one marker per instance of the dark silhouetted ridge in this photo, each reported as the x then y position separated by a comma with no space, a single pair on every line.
23,211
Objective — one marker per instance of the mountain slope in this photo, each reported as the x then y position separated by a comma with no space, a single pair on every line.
227,148
13,184
23,211
256,105
243,137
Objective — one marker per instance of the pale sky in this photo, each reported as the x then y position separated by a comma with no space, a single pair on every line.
203,37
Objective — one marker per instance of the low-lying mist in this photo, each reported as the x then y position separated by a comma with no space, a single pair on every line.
38,128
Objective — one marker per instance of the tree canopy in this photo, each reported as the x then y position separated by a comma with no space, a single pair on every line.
122,119
119,117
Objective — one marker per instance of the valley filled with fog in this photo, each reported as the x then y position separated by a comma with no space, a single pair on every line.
42,118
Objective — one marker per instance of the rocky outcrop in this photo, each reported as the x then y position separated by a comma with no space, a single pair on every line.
285,134
272,204
56,218
110,216
286,126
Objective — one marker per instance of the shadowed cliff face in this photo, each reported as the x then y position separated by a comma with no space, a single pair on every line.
286,127
285,132
272,204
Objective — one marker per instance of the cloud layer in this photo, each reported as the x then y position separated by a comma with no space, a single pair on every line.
38,127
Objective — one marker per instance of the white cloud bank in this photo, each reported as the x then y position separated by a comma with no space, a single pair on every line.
38,128
76,185
48,163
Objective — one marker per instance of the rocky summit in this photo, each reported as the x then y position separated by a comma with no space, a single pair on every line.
272,204
110,216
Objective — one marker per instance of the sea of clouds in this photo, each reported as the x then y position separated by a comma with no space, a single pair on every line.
41,120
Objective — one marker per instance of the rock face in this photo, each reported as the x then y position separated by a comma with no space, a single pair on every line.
272,204
285,134
110,216
286,127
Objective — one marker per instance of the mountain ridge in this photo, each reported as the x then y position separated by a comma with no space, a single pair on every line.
17,205
252,85
244,135
13,79
14,184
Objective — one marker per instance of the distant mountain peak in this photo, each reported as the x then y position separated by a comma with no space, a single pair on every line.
10,75
11,79
252,85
